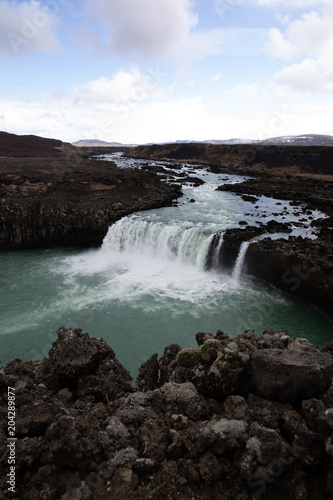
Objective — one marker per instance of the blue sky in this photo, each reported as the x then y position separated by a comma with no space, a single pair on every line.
137,71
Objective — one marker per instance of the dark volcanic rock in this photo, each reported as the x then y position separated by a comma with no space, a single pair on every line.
85,366
149,373
232,240
64,199
76,215
243,158
300,266
277,227
293,375
86,430
74,354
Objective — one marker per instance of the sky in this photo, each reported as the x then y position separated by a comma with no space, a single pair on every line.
141,71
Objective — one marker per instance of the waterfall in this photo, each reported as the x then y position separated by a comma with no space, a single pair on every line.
240,260
213,256
184,243
217,250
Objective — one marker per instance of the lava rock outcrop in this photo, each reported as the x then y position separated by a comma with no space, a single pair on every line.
248,417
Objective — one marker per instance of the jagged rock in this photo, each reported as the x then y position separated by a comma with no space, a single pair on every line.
183,399
104,435
74,354
329,348
293,375
215,372
148,373
170,353
84,366
318,416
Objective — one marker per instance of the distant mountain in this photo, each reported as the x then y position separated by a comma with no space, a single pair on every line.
291,140
231,141
286,140
32,145
95,143
300,140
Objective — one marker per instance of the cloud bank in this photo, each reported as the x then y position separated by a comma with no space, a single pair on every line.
27,27
124,87
148,28
309,41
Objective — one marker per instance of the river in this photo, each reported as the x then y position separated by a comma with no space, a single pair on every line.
148,285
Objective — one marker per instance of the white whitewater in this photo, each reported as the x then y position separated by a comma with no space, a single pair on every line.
216,252
237,272
180,243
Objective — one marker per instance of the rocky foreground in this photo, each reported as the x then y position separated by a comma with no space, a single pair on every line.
242,418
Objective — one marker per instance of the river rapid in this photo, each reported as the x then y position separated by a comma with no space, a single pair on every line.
149,285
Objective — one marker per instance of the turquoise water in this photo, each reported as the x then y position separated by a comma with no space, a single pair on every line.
148,286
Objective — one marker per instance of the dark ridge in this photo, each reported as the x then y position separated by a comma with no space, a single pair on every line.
23,146
310,159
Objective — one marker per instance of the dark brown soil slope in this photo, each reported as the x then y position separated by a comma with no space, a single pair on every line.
24,146
52,196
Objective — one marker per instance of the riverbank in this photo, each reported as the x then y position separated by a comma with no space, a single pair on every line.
67,200
196,423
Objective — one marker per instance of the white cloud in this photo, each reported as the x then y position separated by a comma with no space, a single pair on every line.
165,120
123,87
311,33
283,19
296,4
325,61
309,40
301,78
279,46
216,78
148,28
305,36
244,90
223,7
25,28
244,42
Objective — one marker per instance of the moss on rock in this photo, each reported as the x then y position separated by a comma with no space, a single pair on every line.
228,367
188,358
249,344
